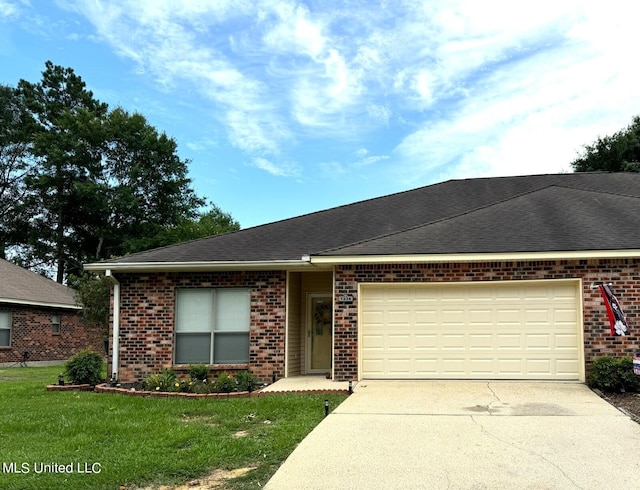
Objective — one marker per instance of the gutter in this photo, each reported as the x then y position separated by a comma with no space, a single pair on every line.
325,260
227,265
62,306
116,326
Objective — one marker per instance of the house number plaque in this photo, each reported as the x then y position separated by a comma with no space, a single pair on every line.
345,298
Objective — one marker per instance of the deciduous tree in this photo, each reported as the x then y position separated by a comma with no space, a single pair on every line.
80,183
617,153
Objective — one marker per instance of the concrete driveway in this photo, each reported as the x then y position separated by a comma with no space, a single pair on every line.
467,435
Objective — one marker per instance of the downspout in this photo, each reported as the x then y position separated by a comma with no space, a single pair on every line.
116,326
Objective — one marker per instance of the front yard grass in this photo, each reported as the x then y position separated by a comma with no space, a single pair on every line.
136,442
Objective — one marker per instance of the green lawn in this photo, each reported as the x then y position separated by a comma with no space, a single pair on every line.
136,442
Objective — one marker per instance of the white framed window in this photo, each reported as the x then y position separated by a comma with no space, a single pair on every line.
55,324
212,326
5,328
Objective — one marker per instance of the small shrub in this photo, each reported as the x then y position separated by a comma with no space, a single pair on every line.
198,372
224,383
84,368
245,381
165,380
614,374
197,386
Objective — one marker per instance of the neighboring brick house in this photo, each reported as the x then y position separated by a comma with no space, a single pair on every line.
468,279
39,319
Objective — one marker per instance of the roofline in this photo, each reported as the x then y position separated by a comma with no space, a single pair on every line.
474,257
229,265
26,302
330,260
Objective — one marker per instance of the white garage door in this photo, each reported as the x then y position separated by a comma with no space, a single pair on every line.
496,330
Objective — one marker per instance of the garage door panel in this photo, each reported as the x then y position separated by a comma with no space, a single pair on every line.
481,366
453,366
533,341
427,317
481,341
453,341
566,341
373,340
426,341
564,316
426,367
566,366
481,316
507,316
397,342
453,317
508,341
475,331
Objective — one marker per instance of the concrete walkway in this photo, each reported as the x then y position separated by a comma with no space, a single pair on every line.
308,384
467,435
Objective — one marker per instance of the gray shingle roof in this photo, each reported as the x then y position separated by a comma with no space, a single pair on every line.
551,219
578,211
18,285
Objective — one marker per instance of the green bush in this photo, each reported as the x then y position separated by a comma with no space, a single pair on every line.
198,372
84,368
614,374
224,383
245,381
165,380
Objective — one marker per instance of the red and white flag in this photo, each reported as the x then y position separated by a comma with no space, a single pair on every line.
619,324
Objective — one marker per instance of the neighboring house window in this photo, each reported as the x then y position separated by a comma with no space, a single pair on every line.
5,329
55,324
212,326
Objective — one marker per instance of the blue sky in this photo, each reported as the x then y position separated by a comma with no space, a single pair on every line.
288,107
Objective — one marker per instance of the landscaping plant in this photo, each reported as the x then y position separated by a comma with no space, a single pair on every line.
165,380
84,368
614,374
246,381
199,372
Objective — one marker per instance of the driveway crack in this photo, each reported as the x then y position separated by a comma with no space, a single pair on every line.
493,393
528,451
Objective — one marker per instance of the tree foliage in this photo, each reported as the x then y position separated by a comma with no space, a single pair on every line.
66,144
80,182
16,164
617,153
93,294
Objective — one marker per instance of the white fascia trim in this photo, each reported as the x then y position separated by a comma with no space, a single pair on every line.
475,257
197,266
39,303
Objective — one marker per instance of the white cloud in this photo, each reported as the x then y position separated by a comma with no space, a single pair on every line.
160,38
8,9
295,32
531,103
277,169
467,87
364,159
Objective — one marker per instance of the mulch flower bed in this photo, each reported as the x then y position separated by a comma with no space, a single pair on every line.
134,391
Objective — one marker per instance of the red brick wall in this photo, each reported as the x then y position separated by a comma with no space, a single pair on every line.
147,304
31,332
623,273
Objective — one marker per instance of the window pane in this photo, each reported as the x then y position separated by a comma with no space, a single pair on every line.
5,335
232,310
5,319
193,347
194,310
231,348
55,323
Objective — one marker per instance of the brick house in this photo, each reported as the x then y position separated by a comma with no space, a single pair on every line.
467,279
39,319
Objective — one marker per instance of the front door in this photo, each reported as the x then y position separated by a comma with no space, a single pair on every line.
319,333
